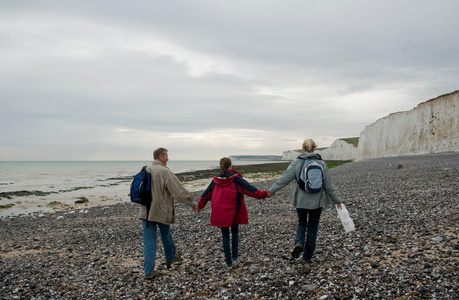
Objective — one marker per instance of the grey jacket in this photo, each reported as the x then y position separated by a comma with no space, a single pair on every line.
300,198
165,187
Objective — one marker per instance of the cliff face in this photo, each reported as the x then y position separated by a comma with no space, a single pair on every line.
340,150
431,127
290,155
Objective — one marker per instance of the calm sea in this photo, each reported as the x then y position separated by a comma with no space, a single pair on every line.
64,175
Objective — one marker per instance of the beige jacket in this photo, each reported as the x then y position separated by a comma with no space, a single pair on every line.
165,187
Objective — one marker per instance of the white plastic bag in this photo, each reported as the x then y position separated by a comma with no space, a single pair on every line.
346,220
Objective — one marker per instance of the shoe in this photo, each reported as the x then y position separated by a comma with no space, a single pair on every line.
306,266
177,257
297,250
151,275
235,263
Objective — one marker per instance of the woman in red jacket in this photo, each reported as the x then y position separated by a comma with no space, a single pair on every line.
226,192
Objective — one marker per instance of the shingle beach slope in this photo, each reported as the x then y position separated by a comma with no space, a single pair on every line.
405,245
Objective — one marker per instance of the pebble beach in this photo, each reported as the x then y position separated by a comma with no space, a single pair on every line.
405,246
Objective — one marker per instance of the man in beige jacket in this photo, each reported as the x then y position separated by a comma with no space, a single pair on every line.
165,187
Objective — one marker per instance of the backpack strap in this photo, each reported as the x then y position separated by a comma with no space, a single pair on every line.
148,206
301,169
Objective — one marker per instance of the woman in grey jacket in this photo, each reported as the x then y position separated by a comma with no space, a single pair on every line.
308,205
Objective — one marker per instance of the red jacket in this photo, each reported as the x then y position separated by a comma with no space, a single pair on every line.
227,196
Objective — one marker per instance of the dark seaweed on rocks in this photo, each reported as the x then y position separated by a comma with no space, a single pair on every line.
405,245
23,193
243,169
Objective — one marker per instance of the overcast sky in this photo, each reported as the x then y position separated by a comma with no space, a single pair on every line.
113,80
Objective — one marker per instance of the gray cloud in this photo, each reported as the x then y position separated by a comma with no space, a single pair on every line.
110,80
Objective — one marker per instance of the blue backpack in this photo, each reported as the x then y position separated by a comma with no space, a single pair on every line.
311,177
141,188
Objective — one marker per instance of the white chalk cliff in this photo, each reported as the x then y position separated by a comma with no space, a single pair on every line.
431,127
340,150
290,154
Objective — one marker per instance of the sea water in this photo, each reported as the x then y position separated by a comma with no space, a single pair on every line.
54,176
67,181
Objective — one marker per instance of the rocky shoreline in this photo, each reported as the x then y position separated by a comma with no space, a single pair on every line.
405,245
243,169
114,190
275,168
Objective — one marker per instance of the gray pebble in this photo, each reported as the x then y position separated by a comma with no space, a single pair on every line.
405,218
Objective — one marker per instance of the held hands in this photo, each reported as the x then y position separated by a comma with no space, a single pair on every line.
196,209
338,205
270,195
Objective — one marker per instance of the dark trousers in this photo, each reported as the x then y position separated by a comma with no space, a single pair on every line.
308,219
230,256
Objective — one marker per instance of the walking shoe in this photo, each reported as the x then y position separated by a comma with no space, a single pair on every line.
177,257
151,275
306,266
235,263
297,250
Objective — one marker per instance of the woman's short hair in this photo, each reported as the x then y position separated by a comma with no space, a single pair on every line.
158,152
309,145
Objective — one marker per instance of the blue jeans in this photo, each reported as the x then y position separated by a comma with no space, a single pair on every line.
307,218
230,256
149,244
